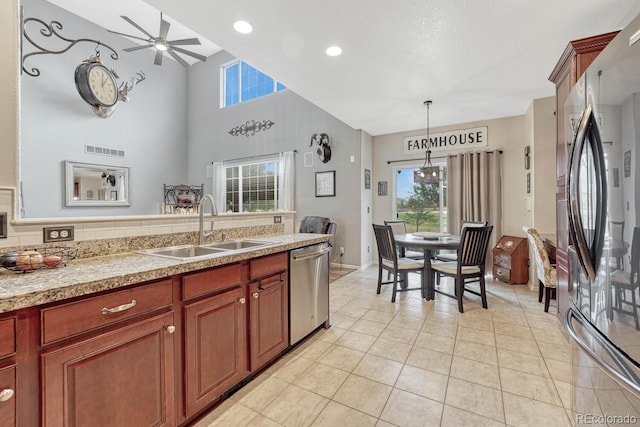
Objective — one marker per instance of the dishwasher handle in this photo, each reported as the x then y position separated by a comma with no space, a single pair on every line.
311,255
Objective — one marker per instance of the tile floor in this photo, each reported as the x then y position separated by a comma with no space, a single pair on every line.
415,363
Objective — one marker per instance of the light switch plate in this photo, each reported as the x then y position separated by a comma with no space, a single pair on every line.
57,234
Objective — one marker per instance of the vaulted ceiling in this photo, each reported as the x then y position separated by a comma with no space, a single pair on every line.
475,59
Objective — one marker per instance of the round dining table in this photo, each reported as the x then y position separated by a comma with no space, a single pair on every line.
428,243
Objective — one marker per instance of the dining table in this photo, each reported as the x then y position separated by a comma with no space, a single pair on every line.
428,242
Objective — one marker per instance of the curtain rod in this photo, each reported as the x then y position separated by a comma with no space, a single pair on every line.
433,157
254,157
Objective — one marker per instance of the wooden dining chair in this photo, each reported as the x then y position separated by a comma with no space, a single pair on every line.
400,227
617,232
388,260
472,254
625,285
453,256
547,275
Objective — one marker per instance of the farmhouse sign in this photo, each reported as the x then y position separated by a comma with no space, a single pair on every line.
447,141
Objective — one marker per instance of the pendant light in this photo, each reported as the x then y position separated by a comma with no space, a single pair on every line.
427,154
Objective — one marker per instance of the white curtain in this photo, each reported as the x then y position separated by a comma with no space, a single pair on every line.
285,181
475,191
219,186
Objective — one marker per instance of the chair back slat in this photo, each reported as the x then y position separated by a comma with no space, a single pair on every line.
635,255
386,243
474,243
398,226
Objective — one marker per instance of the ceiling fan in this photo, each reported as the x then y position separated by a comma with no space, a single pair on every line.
161,44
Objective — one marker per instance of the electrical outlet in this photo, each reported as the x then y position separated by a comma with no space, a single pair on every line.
341,250
277,219
57,234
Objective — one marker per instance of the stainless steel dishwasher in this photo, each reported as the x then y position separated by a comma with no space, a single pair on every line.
308,290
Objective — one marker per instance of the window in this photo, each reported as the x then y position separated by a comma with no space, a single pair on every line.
252,187
242,82
421,197
260,184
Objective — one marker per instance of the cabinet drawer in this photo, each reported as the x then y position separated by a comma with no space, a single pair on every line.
502,274
266,265
7,336
78,317
502,260
205,282
8,407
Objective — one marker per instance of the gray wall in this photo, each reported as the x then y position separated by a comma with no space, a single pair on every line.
295,121
56,123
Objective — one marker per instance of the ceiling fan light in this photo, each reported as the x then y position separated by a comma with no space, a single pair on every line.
243,27
160,45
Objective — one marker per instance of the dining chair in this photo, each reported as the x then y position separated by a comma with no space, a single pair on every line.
400,227
388,260
623,283
617,232
472,254
453,256
547,275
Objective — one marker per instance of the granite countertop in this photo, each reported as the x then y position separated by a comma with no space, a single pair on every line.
86,276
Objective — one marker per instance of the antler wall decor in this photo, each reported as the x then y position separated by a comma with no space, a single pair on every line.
123,94
321,140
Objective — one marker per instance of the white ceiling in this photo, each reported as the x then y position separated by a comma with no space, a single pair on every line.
476,59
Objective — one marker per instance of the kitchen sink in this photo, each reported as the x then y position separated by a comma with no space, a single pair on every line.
238,244
205,251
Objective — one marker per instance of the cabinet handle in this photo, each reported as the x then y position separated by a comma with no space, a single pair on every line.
171,329
242,300
256,295
6,394
119,308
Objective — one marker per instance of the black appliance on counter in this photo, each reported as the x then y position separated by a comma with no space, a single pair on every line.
603,191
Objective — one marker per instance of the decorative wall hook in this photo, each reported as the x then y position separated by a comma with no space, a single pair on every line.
321,140
51,30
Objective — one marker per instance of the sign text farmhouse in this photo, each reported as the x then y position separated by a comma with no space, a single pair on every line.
446,141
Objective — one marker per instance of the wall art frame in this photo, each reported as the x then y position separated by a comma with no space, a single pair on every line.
326,184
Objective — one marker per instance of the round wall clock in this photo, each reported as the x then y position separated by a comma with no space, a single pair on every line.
96,84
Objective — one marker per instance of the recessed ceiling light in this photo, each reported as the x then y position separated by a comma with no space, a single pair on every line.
334,51
242,27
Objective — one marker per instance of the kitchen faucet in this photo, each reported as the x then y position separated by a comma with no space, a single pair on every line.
214,212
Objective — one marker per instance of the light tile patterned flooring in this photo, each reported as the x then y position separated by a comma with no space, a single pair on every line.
415,363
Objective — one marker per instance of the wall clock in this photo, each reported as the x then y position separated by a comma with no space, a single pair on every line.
96,84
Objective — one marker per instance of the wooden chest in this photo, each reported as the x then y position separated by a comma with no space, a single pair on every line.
511,260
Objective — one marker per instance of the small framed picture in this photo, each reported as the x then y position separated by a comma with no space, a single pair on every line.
528,182
326,184
367,179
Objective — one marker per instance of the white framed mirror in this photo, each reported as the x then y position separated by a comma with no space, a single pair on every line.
89,184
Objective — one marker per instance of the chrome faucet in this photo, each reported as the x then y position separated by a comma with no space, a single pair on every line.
214,212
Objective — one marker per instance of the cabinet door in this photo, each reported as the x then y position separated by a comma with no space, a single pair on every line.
215,347
269,318
7,396
125,377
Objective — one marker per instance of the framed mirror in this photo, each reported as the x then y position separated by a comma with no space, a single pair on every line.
96,185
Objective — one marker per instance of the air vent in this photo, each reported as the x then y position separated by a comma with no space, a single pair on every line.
103,151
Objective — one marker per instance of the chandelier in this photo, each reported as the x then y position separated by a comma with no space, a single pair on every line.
427,154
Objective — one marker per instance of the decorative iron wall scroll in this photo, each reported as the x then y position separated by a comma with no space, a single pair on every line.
251,127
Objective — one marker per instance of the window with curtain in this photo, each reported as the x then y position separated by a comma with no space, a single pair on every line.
241,82
261,184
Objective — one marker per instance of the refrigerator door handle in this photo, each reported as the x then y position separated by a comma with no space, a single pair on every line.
627,377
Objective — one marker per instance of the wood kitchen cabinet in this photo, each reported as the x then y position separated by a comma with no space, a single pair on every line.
511,260
8,407
573,62
115,362
215,335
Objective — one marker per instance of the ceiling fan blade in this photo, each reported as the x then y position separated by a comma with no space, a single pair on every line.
128,35
134,48
181,61
189,53
158,58
183,41
164,29
142,30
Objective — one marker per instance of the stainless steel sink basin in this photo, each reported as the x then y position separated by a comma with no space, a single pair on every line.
188,252
238,244
184,252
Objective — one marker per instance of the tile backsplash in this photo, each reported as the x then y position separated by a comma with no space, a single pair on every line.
105,235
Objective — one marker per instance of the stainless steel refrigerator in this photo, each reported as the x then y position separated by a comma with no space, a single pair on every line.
603,191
